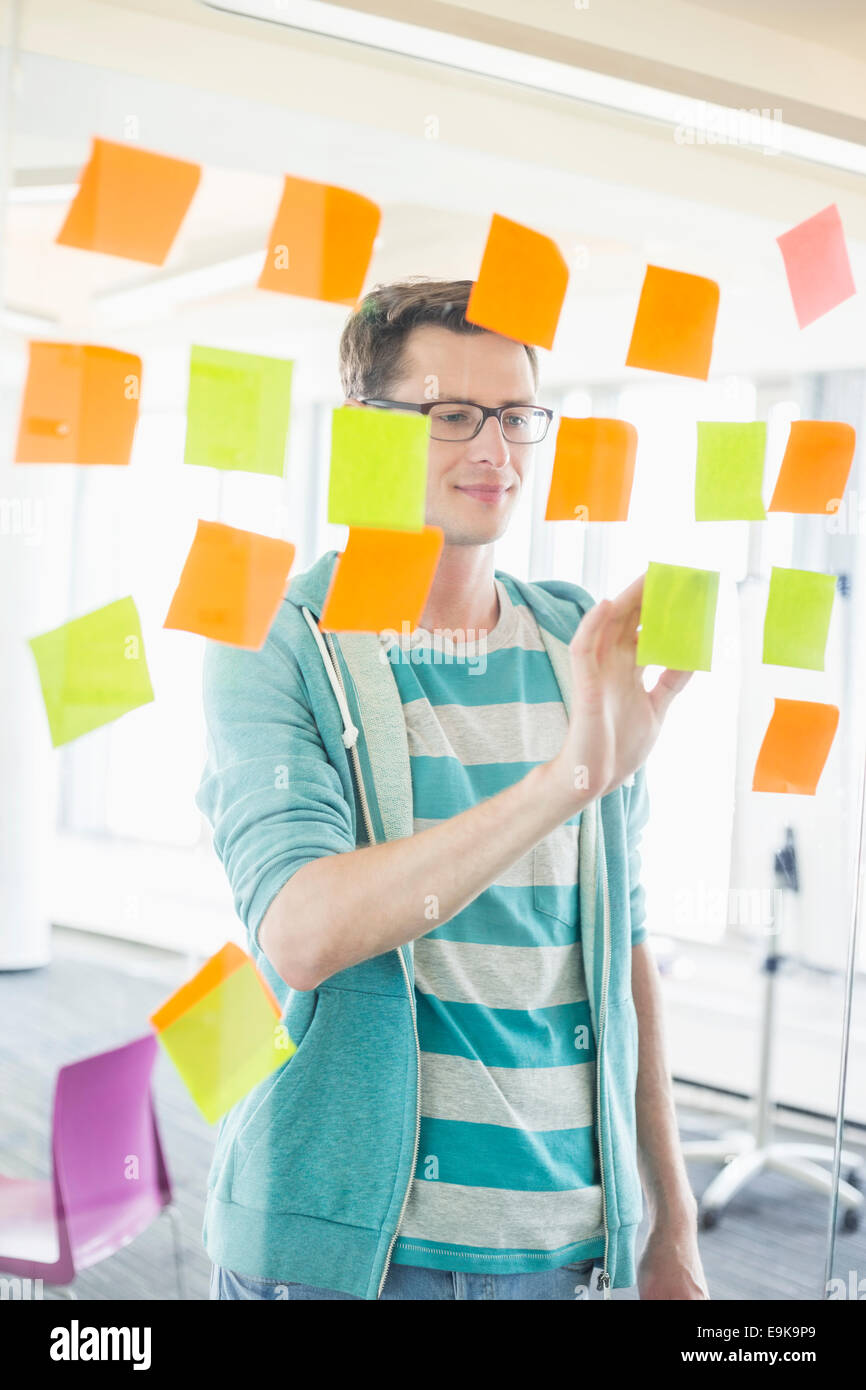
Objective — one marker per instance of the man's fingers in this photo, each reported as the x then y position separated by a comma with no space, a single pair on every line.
631,594
666,688
615,620
610,621
589,633
625,609
628,603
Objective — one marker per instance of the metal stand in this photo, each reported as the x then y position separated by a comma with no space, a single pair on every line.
745,1153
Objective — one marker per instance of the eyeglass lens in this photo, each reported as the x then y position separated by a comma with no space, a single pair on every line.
520,424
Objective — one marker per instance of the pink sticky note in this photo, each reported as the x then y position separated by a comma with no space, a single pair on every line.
817,265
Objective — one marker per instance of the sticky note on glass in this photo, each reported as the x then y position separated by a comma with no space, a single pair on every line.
237,411
130,202
593,470
381,580
378,471
92,670
222,1031
80,405
817,265
797,619
231,585
321,242
675,323
795,747
815,469
677,617
729,474
521,284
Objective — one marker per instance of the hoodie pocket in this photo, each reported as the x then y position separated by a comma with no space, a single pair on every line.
299,1021
326,1139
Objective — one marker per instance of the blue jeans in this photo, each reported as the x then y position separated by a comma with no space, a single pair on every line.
414,1282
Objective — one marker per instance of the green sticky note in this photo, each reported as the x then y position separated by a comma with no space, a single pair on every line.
92,670
730,471
797,620
378,468
237,411
226,1043
677,617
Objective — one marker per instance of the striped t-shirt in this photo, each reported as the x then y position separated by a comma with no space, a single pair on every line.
507,1177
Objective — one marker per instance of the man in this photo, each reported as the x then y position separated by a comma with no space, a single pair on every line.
432,843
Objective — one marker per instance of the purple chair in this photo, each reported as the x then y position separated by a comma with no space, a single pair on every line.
109,1181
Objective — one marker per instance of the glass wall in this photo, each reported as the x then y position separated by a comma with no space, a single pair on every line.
733,879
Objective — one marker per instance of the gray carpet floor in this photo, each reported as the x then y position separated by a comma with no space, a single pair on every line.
770,1244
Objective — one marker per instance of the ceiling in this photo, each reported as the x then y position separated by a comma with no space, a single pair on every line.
838,24
251,102
717,53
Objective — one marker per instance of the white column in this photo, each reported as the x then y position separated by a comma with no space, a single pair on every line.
28,766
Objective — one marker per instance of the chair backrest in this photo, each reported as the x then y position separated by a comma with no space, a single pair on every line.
107,1155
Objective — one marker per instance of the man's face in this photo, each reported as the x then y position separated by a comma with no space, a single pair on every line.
473,485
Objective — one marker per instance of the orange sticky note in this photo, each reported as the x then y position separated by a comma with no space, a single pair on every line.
795,747
675,322
212,974
80,405
817,265
222,1031
521,284
593,470
231,585
321,242
815,469
381,580
130,202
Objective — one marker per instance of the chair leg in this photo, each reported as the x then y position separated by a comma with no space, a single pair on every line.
174,1217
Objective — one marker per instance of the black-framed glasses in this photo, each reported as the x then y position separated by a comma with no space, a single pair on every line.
456,421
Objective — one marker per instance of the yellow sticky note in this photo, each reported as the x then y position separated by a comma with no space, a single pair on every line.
222,1032
378,472
677,617
797,620
237,414
92,670
730,470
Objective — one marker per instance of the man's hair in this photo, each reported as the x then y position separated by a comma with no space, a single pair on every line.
373,342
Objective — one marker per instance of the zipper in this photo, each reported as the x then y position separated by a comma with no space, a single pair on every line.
417,1128
371,839
604,1276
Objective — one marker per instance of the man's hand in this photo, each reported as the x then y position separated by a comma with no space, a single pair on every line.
670,1266
614,720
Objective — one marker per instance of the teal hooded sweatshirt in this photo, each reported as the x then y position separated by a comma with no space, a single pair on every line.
307,755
